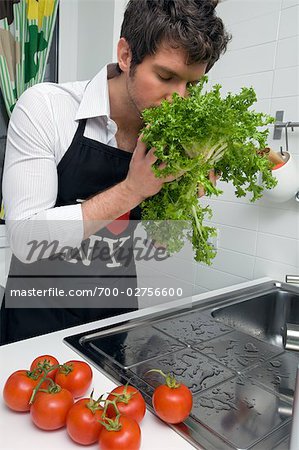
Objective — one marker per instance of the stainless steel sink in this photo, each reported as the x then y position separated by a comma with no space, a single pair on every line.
228,349
264,316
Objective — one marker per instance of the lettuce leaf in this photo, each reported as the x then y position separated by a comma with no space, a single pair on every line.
196,134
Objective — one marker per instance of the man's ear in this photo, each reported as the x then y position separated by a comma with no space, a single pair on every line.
124,55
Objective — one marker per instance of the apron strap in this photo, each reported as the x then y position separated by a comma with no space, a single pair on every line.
66,157
80,130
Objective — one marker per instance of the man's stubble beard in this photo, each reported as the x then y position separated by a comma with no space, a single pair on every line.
132,101
138,108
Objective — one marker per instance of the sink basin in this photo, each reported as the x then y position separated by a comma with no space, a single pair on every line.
227,348
264,316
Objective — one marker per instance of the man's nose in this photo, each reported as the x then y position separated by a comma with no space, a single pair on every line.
180,89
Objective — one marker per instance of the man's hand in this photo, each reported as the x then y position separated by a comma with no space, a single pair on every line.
141,178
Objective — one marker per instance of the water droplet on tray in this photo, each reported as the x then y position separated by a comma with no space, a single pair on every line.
250,347
275,363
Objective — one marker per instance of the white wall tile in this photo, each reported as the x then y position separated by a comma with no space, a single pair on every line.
235,214
290,106
289,3
277,248
289,22
287,52
152,279
265,30
279,222
261,82
234,11
235,263
229,194
173,267
246,61
237,239
286,82
262,105
260,239
289,205
274,270
209,278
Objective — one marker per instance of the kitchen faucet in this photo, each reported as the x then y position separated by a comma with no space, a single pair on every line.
292,279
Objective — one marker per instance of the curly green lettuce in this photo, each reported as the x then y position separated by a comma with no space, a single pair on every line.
194,135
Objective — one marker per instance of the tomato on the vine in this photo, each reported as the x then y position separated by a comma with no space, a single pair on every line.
172,401
49,409
75,376
122,434
83,421
18,390
129,401
44,362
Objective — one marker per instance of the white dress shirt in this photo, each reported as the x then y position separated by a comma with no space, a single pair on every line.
41,129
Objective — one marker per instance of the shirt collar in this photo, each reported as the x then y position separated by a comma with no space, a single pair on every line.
95,100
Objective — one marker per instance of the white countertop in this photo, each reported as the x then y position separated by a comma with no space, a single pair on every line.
17,430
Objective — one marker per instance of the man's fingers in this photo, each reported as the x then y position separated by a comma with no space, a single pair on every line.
141,152
140,149
200,191
213,177
162,165
150,156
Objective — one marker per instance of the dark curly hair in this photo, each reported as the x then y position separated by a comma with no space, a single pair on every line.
189,24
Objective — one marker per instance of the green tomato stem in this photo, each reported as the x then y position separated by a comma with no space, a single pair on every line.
170,380
44,378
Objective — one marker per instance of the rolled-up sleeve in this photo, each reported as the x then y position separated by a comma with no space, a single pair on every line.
30,181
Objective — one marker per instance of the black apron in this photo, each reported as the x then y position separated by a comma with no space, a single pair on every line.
104,262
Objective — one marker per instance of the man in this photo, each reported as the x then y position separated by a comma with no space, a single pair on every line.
74,163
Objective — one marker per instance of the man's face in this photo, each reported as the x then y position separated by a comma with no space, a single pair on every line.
160,75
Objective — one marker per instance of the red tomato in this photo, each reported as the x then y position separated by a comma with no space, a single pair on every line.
49,410
129,401
172,404
18,390
75,376
127,438
82,423
45,361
